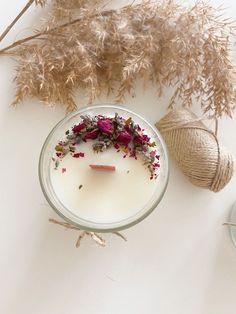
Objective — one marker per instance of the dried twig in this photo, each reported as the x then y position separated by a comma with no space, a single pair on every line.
216,126
229,224
26,7
52,30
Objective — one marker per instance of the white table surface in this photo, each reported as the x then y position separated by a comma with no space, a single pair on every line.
179,260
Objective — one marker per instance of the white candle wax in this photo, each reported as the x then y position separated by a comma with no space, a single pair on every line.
102,196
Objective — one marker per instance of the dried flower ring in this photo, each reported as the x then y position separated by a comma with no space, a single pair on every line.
122,134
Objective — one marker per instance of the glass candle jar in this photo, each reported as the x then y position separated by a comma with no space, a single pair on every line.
97,200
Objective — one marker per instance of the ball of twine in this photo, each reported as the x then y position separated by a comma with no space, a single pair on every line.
196,150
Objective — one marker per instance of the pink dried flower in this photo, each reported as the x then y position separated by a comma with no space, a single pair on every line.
141,139
79,127
91,135
105,125
153,153
124,137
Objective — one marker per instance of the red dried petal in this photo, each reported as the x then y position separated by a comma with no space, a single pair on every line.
78,155
79,127
117,146
91,135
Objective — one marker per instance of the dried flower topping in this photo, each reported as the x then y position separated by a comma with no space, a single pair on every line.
122,134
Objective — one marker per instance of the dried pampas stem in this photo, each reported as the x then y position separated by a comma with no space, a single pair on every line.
51,31
95,236
26,7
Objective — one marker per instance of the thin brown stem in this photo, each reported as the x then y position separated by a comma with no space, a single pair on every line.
95,236
52,30
229,224
7,30
216,126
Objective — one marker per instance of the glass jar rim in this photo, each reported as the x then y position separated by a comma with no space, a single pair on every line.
81,223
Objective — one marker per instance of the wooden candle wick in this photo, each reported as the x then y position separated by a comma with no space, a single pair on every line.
95,236
103,167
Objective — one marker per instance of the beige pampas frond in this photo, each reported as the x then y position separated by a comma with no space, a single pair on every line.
67,10
163,42
40,2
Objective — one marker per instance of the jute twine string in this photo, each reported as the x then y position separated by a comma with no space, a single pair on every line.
97,238
196,150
